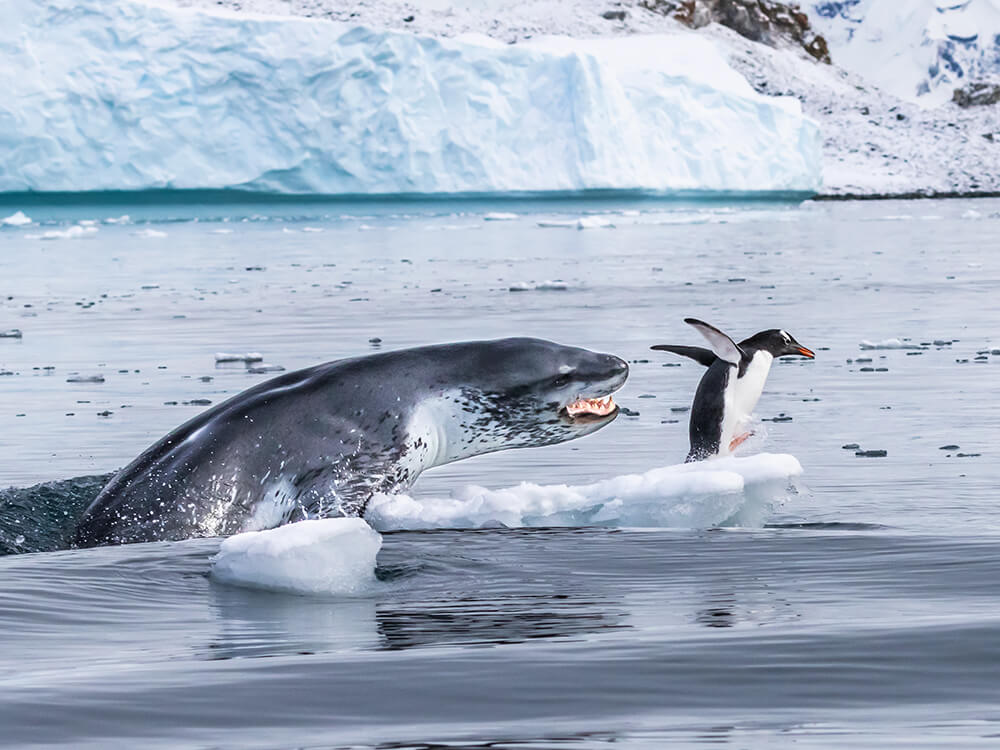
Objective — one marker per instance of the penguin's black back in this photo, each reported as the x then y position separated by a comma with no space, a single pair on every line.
705,427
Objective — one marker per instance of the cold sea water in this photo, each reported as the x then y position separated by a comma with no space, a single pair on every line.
860,608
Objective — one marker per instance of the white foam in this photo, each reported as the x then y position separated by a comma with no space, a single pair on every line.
325,556
888,344
584,222
16,219
726,491
73,233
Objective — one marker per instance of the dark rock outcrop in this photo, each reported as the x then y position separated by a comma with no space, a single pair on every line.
763,21
977,94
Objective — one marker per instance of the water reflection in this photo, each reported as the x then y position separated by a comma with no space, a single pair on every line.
475,621
256,624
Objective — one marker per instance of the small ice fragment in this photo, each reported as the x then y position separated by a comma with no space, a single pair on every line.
124,219
154,233
325,556
312,229
221,231
77,378
16,219
552,286
887,344
499,216
245,357
971,214
262,369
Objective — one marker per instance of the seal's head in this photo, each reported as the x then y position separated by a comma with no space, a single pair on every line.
522,392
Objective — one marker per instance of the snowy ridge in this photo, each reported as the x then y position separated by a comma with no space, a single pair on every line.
733,490
131,96
919,50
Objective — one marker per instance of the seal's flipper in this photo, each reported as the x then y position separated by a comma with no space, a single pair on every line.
698,354
724,347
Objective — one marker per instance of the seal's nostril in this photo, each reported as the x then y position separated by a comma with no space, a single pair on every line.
616,364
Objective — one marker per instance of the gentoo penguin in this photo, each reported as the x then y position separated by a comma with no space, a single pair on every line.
729,391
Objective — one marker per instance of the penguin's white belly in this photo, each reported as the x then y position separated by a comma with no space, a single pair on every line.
741,397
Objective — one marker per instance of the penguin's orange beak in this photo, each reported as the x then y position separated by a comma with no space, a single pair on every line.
806,352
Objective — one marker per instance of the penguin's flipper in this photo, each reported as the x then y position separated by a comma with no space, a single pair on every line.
698,354
724,347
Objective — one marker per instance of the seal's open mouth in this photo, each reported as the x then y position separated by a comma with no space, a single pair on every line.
584,408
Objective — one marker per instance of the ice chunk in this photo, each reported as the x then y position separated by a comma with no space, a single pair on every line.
867,345
732,490
499,216
375,111
16,219
77,378
325,556
153,233
239,357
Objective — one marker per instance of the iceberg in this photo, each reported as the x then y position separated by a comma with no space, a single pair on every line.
132,95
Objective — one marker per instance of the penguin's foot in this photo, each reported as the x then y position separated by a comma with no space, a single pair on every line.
737,441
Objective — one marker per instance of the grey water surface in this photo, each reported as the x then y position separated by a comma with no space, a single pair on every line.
865,612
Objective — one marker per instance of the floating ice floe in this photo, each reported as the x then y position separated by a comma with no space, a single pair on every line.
325,556
16,219
499,216
738,491
888,344
150,233
239,357
263,369
971,214
584,222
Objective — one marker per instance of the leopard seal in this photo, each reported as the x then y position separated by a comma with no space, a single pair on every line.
321,441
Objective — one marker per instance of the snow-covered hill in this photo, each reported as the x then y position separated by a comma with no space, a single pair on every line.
920,50
125,95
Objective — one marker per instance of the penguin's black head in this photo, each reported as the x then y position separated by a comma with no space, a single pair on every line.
777,343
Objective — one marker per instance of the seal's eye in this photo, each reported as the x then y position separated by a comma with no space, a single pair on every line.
562,381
